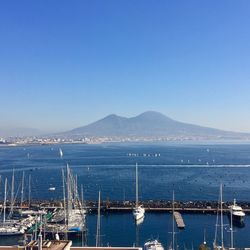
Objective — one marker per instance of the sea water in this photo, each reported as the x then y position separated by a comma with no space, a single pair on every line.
194,171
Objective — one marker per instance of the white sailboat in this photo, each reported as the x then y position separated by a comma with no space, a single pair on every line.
8,228
216,245
12,198
172,247
138,211
98,224
60,153
22,191
75,213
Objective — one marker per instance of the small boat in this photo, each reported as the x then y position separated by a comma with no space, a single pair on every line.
138,211
52,188
237,213
153,245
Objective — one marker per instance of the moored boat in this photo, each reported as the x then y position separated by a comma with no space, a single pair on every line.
238,215
153,245
10,230
138,211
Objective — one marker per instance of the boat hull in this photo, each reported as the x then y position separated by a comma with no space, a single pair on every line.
238,221
153,245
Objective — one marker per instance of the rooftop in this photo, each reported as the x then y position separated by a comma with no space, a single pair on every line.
62,245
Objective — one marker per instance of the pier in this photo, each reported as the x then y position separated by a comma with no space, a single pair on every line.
179,220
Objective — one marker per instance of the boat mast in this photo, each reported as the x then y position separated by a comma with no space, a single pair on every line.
64,199
173,223
136,188
231,227
22,189
29,188
98,225
4,203
76,200
221,218
69,195
82,202
82,211
12,194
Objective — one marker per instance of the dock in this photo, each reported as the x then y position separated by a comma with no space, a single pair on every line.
179,220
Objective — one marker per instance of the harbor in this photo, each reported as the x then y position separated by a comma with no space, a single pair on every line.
53,215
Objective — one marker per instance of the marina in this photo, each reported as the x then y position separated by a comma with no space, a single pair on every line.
51,215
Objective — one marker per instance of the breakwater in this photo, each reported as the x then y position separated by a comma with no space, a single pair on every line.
150,206
166,206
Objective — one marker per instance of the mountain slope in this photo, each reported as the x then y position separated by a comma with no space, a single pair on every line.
148,124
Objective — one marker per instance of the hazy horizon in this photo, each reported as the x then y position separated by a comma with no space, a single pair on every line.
64,65
37,131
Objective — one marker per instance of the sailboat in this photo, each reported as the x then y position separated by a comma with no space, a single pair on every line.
138,211
75,213
60,153
203,245
231,230
172,247
8,228
98,224
216,246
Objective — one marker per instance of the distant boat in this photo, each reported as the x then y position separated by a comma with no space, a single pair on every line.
52,188
60,153
138,211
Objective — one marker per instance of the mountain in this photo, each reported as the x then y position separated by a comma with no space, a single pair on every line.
148,124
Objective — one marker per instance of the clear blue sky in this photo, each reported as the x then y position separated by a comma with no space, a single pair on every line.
64,64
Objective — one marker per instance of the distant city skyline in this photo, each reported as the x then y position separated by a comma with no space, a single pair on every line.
64,65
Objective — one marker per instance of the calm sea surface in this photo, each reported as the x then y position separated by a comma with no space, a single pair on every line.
193,171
